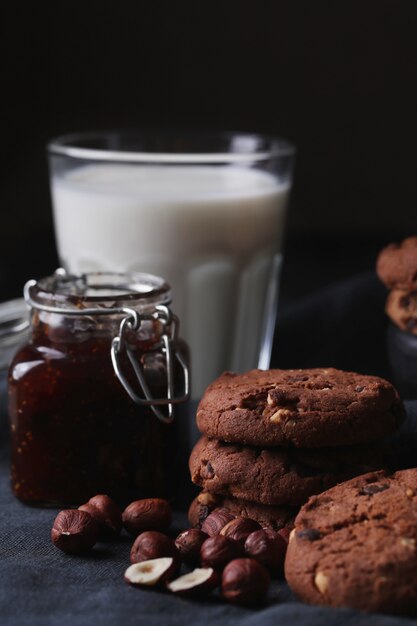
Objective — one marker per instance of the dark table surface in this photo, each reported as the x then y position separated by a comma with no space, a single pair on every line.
342,326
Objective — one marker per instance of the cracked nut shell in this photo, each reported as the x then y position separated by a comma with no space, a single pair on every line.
218,551
74,532
147,514
106,513
188,544
245,582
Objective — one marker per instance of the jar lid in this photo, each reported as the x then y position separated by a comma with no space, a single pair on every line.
14,327
97,290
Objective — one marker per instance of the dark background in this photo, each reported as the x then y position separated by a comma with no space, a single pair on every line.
337,78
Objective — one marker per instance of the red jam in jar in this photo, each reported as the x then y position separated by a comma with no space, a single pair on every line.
88,401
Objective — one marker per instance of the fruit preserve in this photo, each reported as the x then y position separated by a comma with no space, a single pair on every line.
92,394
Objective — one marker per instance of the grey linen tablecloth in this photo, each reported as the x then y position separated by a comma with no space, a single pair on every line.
39,585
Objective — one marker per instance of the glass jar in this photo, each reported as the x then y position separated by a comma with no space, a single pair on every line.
14,325
92,393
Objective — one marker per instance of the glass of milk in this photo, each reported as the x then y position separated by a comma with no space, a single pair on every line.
204,211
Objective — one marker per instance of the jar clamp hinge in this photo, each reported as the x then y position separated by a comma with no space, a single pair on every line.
168,338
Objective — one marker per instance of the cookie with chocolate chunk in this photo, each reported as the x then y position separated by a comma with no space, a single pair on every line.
274,517
277,476
304,408
397,265
355,545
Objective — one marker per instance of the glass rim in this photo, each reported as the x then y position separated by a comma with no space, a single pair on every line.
66,145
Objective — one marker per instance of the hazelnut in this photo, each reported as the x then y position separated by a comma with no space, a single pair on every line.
279,415
408,542
107,515
285,534
268,548
147,514
188,544
153,545
201,507
74,532
218,551
322,582
240,528
245,582
150,573
199,582
205,498
214,522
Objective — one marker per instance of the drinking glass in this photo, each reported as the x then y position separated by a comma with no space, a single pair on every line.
204,211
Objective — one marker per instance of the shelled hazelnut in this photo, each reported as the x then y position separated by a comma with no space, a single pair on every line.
74,532
218,551
214,522
240,528
151,573
197,583
107,515
156,559
188,544
245,582
268,548
154,545
147,514
285,534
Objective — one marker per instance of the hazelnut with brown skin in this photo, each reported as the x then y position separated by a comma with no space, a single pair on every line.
188,544
147,514
285,534
152,545
74,532
240,528
245,582
107,515
268,548
214,522
201,507
218,551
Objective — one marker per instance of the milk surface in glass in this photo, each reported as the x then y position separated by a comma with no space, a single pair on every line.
214,233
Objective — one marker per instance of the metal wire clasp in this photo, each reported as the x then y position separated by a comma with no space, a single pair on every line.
169,322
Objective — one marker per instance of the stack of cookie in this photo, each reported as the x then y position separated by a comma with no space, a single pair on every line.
271,439
397,268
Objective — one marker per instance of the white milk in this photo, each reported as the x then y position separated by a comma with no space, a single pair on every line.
214,233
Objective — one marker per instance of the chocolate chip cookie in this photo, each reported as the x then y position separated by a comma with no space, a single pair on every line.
397,265
275,517
355,545
401,307
277,475
305,408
